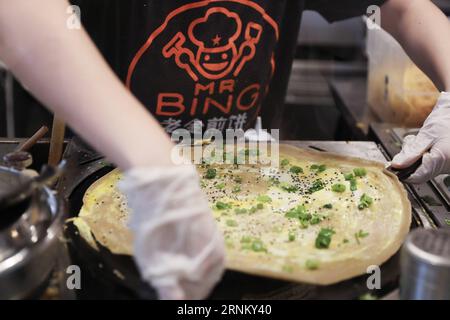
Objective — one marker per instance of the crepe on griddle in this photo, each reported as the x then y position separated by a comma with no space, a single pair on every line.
319,218
104,216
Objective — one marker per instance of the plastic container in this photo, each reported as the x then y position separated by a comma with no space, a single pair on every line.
398,91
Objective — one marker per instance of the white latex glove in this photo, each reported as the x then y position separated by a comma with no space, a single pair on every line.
177,246
433,137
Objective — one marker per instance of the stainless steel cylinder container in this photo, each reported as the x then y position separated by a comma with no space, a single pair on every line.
425,265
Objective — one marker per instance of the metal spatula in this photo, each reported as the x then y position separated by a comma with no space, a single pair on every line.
405,173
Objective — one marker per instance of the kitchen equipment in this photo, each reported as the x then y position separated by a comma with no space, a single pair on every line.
431,201
425,265
23,188
405,173
398,92
18,160
106,275
29,143
30,229
56,141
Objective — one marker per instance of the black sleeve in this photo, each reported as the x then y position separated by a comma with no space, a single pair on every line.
334,10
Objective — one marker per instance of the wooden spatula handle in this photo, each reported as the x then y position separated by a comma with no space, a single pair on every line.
56,141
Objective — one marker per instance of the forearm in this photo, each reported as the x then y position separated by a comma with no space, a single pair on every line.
64,70
424,32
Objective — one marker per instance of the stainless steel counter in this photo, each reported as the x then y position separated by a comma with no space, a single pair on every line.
360,149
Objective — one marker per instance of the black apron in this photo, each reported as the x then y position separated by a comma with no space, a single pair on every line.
221,62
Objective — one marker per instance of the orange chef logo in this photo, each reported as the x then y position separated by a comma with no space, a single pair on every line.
218,56
209,61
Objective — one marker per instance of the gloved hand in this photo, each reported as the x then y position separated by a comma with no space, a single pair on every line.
433,142
177,246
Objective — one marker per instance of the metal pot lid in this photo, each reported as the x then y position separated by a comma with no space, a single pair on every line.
39,219
11,178
28,248
21,188
27,222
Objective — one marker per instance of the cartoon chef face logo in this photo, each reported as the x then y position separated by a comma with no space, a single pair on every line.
217,56
207,60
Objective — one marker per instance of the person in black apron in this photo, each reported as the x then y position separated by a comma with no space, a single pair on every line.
216,63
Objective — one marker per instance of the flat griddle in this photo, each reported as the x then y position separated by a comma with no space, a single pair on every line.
110,276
